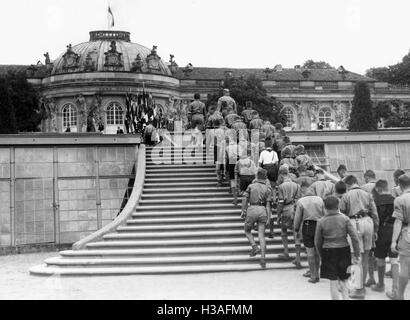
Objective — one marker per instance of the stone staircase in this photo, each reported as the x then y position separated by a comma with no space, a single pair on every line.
184,224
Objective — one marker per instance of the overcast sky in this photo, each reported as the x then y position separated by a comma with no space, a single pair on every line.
358,34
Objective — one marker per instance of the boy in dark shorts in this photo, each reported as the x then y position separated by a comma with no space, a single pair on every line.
309,209
385,208
332,245
259,197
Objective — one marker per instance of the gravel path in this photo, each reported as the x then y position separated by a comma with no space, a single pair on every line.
16,283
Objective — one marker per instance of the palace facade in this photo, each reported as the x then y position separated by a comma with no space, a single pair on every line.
94,78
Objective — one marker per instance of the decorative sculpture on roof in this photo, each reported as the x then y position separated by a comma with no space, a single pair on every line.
342,72
47,56
89,64
153,60
188,69
268,71
138,64
82,112
306,73
173,66
113,58
71,59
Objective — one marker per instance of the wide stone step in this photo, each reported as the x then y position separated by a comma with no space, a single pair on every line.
178,227
181,175
183,207
164,261
227,226
180,184
160,170
183,214
48,271
186,201
179,166
184,190
179,180
175,243
180,195
188,235
170,252
183,220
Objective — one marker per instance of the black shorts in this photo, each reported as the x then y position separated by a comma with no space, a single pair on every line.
272,170
383,243
245,181
335,262
231,171
308,233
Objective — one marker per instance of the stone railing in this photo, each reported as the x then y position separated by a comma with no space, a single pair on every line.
129,208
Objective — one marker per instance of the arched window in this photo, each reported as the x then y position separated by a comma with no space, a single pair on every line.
290,117
69,117
115,115
325,115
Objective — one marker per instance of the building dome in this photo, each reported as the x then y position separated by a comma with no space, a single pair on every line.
110,51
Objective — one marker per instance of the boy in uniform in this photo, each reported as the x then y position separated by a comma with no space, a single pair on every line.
309,210
259,196
401,232
288,194
359,206
332,244
385,208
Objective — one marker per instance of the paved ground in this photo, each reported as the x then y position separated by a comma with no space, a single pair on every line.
16,283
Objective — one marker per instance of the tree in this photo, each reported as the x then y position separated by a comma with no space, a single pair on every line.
310,64
7,114
362,117
20,104
395,113
251,89
398,74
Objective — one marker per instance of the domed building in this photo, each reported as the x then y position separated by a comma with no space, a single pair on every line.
92,79
87,87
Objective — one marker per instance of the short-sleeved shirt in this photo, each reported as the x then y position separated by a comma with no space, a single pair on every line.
245,167
368,187
289,161
358,200
402,213
248,114
323,188
291,151
304,160
230,102
258,193
256,124
305,178
197,107
288,192
309,208
396,191
230,118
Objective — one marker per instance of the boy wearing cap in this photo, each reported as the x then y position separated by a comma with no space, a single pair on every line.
258,196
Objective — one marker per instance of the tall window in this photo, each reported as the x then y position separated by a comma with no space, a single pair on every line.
69,116
325,115
114,114
290,117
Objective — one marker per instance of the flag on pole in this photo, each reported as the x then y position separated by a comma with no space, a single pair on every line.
111,16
